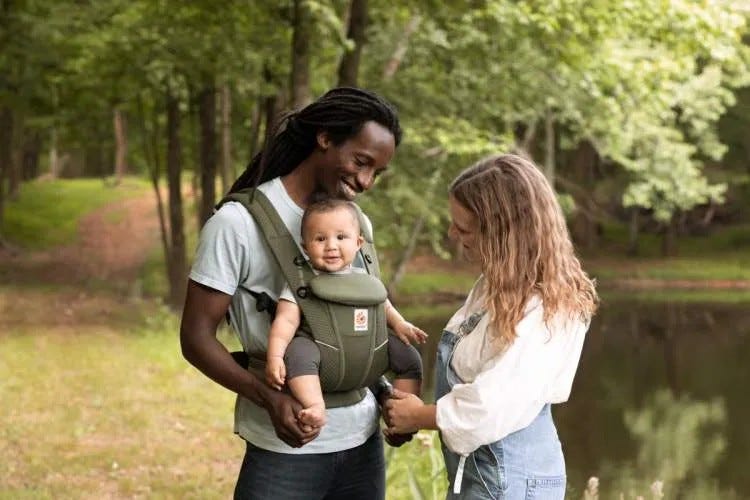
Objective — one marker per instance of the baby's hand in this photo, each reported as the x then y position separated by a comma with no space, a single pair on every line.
409,333
275,372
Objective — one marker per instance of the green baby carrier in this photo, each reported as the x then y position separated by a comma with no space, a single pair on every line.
343,313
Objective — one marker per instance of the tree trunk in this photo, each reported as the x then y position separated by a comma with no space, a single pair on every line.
633,231
255,125
403,261
6,125
403,44
14,172
177,257
524,137
207,112
549,148
54,158
349,65
30,156
669,238
416,231
121,144
584,225
151,155
271,105
227,172
301,39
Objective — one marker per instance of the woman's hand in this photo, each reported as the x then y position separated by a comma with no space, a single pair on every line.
402,413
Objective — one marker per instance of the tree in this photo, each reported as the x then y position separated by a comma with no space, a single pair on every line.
349,65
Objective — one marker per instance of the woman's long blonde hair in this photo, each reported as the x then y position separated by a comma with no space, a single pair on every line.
523,243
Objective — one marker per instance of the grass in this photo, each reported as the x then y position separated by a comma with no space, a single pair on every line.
434,282
727,266
47,212
123,416
721,254
98,410
691,296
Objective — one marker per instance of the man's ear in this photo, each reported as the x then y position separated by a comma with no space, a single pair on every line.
324,142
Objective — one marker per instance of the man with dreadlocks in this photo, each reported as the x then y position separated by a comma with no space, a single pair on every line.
336,146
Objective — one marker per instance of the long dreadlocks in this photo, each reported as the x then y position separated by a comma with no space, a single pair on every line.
340,112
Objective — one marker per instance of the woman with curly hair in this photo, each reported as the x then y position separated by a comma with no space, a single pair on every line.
512,349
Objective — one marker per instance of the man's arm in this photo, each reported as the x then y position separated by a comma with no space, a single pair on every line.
204,309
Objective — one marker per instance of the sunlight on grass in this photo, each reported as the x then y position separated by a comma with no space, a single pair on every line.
112,413
47,212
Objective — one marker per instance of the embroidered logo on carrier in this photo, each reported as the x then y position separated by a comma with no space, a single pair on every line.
360,320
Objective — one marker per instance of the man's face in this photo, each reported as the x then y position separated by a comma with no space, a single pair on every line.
331,239
352,167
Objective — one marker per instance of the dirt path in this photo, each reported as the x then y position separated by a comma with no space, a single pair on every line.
91,278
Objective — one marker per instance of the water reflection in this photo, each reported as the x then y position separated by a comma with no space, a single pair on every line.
660,394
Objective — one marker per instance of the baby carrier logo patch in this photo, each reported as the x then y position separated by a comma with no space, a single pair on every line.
360,320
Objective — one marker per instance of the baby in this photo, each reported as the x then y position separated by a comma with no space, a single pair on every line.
331,238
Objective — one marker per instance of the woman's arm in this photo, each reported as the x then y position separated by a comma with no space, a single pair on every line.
538,368
204,309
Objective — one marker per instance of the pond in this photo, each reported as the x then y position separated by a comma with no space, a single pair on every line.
661,394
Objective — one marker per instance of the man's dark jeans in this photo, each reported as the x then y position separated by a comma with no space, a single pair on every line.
356,473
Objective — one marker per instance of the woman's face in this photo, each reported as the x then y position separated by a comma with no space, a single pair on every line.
464,229
352,167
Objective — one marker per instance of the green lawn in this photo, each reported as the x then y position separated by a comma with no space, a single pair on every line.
98,410
47,212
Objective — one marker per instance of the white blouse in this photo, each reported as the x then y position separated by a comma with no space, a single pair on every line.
503,392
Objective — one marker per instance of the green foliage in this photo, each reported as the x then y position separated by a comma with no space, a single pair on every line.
416,470
644,82
47,213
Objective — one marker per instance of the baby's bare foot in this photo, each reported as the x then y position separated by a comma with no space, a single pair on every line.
314,416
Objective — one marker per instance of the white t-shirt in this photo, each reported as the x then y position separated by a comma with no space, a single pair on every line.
504,392
233,251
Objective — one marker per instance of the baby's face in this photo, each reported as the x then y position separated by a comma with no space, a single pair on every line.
332,239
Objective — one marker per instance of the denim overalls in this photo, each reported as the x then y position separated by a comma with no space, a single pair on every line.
527,464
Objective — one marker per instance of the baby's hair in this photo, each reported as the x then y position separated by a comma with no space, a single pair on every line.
327,205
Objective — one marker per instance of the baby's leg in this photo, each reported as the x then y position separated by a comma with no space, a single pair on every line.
302,360
406,364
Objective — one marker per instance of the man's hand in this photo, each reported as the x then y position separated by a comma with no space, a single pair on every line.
275,372
283,410
409,334
397,440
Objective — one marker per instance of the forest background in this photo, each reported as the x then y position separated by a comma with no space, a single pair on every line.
143,112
